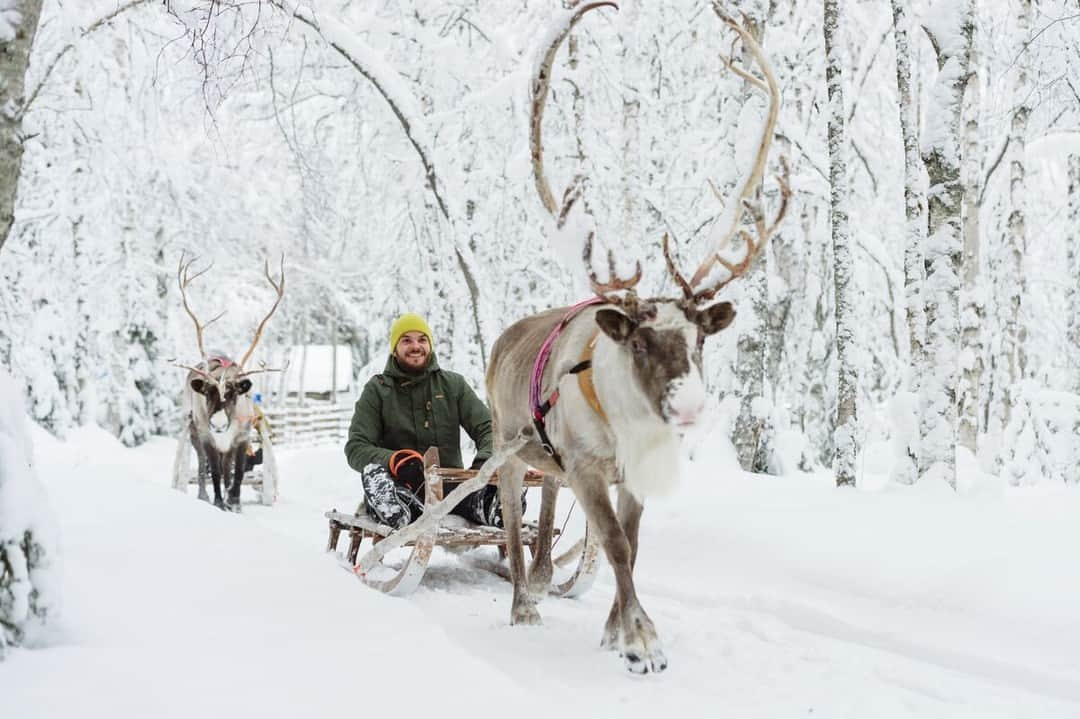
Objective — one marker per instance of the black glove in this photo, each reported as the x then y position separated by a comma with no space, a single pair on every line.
478,463
410,472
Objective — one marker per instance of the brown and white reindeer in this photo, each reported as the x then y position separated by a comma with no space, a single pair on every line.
607,387
216,402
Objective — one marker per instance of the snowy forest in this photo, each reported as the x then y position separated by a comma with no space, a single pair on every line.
929,176
916,315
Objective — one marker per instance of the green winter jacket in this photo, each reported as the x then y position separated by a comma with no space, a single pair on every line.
398,410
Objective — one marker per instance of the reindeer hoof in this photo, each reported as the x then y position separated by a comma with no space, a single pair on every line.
527,615
204,496
638,664
233,505
220,504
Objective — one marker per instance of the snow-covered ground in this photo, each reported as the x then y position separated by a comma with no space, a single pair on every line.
776,597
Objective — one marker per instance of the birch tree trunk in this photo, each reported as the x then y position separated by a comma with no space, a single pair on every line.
1015,334
951,37
906,468
971,292
631,119
750,362
843,283
1072,249
14,59
80,395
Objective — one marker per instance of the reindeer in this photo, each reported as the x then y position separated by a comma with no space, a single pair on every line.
219,410
622,379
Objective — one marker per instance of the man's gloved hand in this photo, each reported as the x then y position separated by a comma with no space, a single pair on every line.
478,463
407,467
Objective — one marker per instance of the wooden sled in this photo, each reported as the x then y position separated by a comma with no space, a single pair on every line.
423,539
263,477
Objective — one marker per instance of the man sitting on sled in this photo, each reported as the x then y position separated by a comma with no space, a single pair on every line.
414,404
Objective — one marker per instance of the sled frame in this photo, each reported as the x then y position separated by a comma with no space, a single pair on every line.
359,527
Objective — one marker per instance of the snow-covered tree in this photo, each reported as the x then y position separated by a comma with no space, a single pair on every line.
28,586
1013,276
971,288
906,468
752,424
846,408
949,27
1072,240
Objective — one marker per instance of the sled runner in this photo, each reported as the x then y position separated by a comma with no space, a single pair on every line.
428,532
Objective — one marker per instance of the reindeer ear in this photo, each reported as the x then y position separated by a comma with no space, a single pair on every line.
243,386
615,324
715,318
198,385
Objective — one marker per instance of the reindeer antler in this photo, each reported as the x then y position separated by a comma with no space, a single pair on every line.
748,200
184,279
541,84
279,287
605,290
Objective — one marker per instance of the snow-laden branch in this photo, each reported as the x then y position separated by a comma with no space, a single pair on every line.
370,63
96,25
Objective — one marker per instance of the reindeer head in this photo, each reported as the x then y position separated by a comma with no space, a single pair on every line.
661,338
222,388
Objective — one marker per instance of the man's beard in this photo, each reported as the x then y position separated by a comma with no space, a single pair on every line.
411,368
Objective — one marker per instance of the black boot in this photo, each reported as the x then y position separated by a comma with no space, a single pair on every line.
491,506
383,503
253,459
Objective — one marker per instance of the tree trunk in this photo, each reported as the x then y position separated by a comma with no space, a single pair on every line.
750,359
14,59
1015,334
1072,249
845,434
80,400
941,153
906,469
971,295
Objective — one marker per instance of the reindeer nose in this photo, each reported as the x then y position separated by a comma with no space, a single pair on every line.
219,421
687,417
685,406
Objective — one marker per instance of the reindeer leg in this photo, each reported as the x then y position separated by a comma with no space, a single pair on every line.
629,512
511,474
216,466
540,571
639,645
204,468
239,464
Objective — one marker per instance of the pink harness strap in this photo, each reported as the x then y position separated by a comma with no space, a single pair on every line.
545,350
540,409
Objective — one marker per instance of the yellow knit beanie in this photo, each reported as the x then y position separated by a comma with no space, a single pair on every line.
408,322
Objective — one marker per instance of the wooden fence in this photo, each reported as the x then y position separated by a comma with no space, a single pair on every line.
310,425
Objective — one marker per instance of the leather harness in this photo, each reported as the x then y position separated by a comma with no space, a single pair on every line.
582,369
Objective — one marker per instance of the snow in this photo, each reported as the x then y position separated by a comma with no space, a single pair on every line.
28,591
944,22
775,596
10,18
